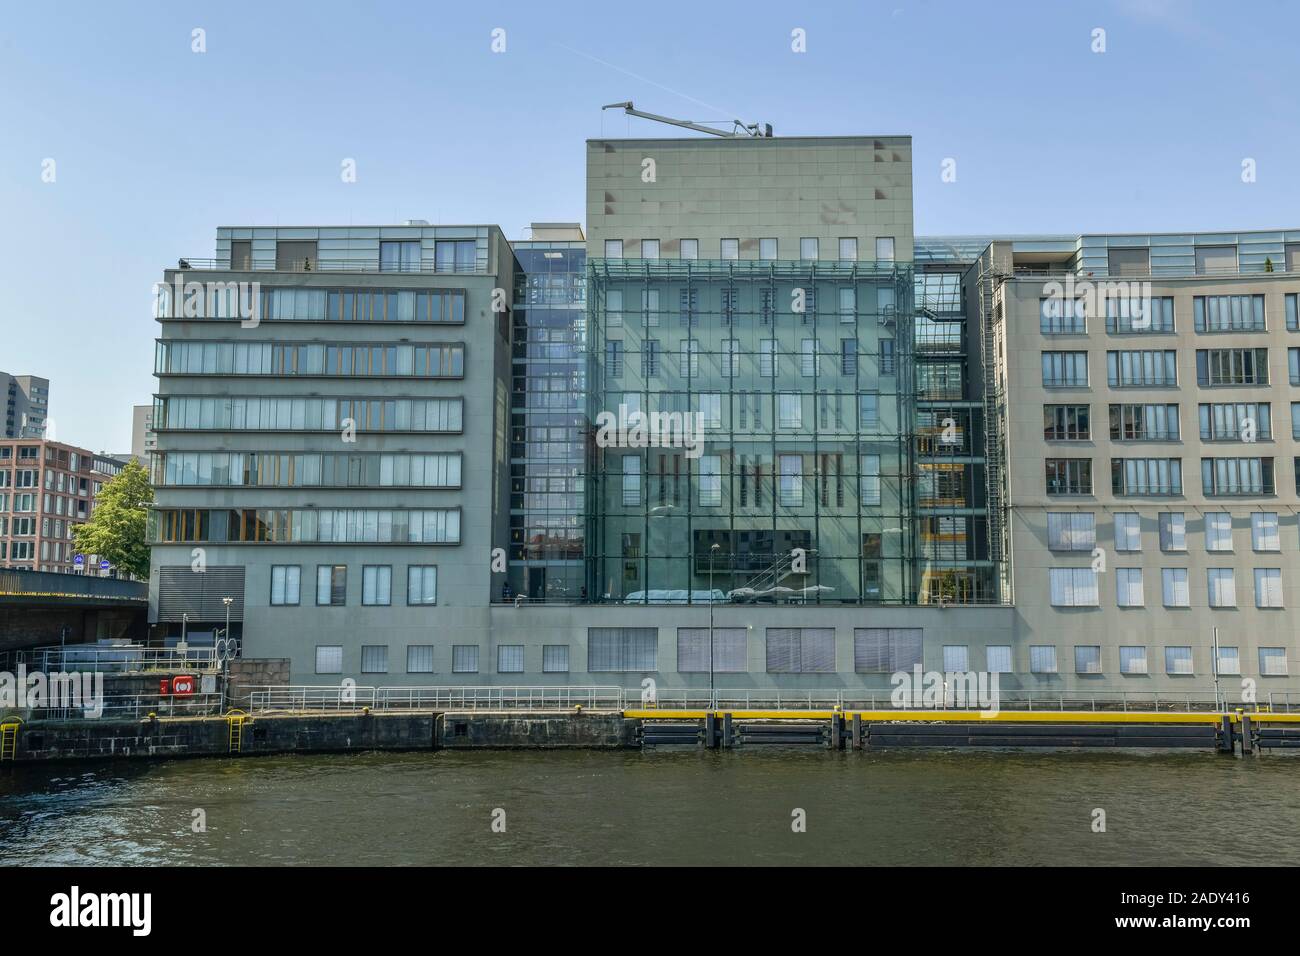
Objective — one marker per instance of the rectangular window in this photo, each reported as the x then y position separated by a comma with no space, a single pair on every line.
1272,662
1145,368
419,659
1218,531
1173,531
421,584
1146,476
1071,530
613,248
1228,313
997,658
1132,659
729,650
1042,659
376,585
1236,421
1237,476
621,649
1178,660
613,358
1140,315
1264,531
849,250
790,488
464,658
374,659
1144,422
1087,659
868,412
1068,476
329,659
808,248
886,650
1222,587
331,585
1073,587
285,584
1173,584
401,256
1060,316
801,650
1229,661
1268,587
690,249
885,249
555,658
808,363
869,478
631,480
956,659
1065,369
1128,587
510,658
767,249
1067,423
730,248
1215,367
710,481
789,407
649,248
1128,531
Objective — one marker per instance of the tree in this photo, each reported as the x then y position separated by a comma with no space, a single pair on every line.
116,529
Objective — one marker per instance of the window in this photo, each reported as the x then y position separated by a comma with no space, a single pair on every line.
848,305
849,250
376,585
1132,659
886,356
956,659
1272,662
808,363
1144,422
329,659
1268,587
1066,423
374,659
1178,660
631,480
1087,659
1218,531
1146,476
1228,313
1042,659
690,358
613,358
1065,369
1231,367
650,357
848,357
710,481
1069,476
870,480
555,658
885,249
729,650
730,248
421,584
419,659
401,256
1173,531
1237,476
1128,587
1071,531
808,248
1264,534
789,407
455,255
510,658
689,249
1236,421
869,412
1059,316
1147,368
886,650
1140,314
1073,587
801,650
621,649
997,658
1229,660
331,584
1222,587
791,480
649,248
767,248
464,658
1173,584
613,248
285,584
1128,531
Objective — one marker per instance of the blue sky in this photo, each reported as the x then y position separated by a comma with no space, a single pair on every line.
156,145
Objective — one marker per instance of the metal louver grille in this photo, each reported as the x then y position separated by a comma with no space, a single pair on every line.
199,593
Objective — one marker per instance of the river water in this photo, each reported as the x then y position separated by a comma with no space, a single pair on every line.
661,807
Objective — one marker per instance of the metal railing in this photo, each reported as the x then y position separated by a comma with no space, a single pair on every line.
129,659
336,697
327,265
134,706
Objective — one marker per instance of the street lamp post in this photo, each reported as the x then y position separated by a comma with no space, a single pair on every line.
713,550
1216,668
225,654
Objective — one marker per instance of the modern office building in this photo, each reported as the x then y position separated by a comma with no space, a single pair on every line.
143,441
747,402
27,405
46,490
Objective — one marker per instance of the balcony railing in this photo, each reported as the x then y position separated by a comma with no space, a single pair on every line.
329,265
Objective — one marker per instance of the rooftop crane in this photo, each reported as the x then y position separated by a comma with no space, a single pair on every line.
738,129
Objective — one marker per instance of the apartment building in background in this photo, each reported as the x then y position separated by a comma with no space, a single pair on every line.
915,451
143,440
27,405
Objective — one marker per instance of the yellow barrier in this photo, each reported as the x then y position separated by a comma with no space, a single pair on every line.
974,716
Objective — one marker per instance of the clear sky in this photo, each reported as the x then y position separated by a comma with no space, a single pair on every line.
155,145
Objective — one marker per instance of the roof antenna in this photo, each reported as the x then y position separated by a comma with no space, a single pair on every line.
738,129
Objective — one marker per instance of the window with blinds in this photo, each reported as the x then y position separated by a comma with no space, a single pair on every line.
1272,662
1264,534
1042,659
510,658
997,658
1132,660
1229,661
374,659
729,650
622,649
419,659
1087,659
1218,531
329,659
1128,531
1173,531
886,650
801,650
1222,587
956,659
1073,587
1128,587
1178,660
464,658
555,658
1071,531
1268,587
1173,584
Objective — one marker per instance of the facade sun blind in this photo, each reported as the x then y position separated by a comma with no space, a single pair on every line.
198,594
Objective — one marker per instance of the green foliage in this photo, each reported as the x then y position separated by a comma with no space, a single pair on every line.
116,529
